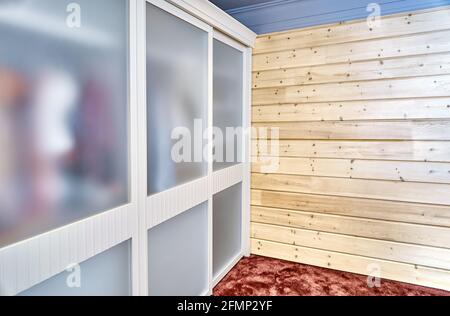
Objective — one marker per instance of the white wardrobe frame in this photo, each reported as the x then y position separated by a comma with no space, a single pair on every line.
32,261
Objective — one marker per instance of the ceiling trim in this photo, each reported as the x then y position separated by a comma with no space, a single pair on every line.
257,6
217,18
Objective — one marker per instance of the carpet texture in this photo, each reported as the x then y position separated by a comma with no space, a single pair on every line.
260,276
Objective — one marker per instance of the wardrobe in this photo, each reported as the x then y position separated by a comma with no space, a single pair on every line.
126,141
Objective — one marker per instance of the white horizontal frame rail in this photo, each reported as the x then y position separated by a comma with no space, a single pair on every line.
170,203
32,261
226,178
218,19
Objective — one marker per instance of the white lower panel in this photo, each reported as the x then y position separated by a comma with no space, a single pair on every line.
178,254
227,227
106,274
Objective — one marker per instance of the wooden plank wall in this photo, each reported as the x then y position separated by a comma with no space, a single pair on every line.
364,168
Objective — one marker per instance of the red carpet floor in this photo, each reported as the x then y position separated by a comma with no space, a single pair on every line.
260,276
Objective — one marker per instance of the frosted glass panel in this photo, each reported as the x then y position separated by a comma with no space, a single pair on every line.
177,90
228,96
63,112
107,274
178,254
227,226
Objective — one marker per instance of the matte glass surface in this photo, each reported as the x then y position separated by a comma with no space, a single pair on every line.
63,113
178,254
228,97
177,95
107,274
227,227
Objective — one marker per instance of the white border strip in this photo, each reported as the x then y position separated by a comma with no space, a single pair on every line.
246,181
226,270
168,204
225,178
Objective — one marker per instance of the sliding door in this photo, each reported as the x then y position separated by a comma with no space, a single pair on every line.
229,140
66,165
177,153
122,139
195,99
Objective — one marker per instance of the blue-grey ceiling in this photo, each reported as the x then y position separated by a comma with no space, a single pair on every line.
233,4
265,16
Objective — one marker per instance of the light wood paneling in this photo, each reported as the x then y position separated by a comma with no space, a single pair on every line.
433,64
416,44
426,214
434,86
409,273
385,150
405,171
344,32
435,108
361,170
372,189
361,130
354,226
401,252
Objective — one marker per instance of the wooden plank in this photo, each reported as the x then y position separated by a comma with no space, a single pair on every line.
361,169
425,214
433,64
434,108
354,226
417,44
431,193
400,252
391,25
419,87
388,150
384,130
402,272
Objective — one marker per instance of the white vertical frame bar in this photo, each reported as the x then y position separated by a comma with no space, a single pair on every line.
142,140
134,142
247,125
210,158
